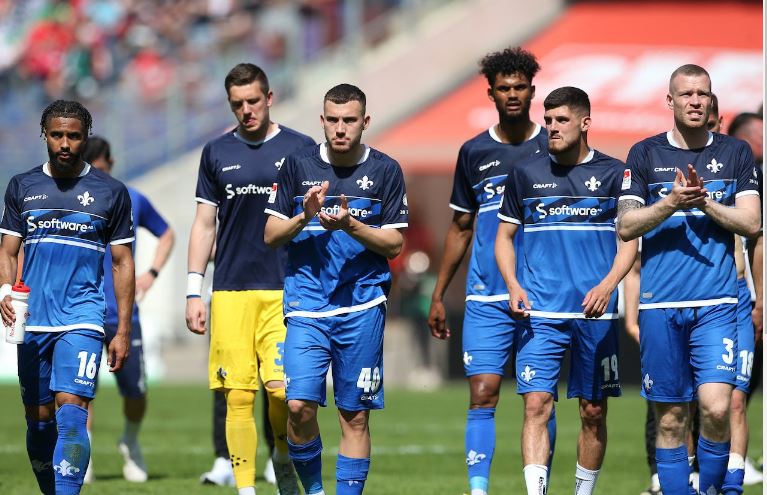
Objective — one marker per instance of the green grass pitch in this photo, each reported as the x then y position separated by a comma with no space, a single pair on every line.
417,442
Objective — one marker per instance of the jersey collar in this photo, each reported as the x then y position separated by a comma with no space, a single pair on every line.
672,141
47,169
495,137
256,143
588,158
326,159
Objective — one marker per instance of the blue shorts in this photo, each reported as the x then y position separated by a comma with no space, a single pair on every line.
352,343
683,348
593,344
746,344
488,337
131,379
51,362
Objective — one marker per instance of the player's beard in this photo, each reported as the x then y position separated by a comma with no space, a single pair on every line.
565,148
64,168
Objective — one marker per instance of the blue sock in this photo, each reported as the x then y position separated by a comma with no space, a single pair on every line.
551,426
712,459
307,459
73,449
480,445
351,475
41,440
673,470
733,481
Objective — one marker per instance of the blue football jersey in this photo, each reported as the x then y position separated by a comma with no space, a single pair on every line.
480,177
568,215
66,226
144,215
687,261
330,273
237,177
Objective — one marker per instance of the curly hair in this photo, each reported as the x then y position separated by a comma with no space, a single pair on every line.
69,110
509,61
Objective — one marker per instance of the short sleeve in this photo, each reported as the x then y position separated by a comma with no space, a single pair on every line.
510,210
280,201
207,192
12,223
462,198
634,183
149,218
746,175
120,223
394,209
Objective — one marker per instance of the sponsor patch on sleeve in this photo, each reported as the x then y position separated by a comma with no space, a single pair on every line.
272,194
626,180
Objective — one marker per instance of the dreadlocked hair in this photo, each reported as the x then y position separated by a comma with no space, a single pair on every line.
66,109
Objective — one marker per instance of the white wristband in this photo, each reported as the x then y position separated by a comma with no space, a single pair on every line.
5,290
194,284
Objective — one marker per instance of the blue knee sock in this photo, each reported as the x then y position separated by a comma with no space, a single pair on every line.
73,449
712,459
551,426
41,440
307,459
480,445
673,470
351,475
733,481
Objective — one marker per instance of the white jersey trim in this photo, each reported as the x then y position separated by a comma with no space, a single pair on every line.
394,226
205,201
509,219
491,207
675,144
326,158
65,328
458,208
571,316
83,172
629,196
122,241
689,304
495,137
495,298
257,143
338,311
277,214
67,242
586,159
10,232
747,193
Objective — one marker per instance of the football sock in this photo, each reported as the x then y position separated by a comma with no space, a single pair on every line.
480,445
248,490
241,436
41,440
551,427
673,470
351,475
307,459
536,479
73,449
585,480
712,459
733,479
278,418
130,433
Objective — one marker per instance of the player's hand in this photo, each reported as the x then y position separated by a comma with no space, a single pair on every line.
519,304
687,193
144,282
337,222
756,316
436,320
314,199
196,315
596,301
9,315
117,352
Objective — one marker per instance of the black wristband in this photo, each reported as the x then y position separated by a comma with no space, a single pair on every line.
154,272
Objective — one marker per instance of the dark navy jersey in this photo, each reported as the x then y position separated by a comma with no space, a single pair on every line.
329,272
480,177
237,177
568,215
687,261
144,215
66,226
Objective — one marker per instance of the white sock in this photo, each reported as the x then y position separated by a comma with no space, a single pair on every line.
736,461
536,479
585,480
130,433
690,461
655,481
478,491
248,490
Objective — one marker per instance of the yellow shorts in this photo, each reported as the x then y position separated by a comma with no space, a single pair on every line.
246,339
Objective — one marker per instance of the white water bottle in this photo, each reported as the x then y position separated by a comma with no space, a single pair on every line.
14,334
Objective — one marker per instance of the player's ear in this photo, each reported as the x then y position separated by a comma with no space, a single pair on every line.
669,101
532,91
366,122
585,123
490,94
269,97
